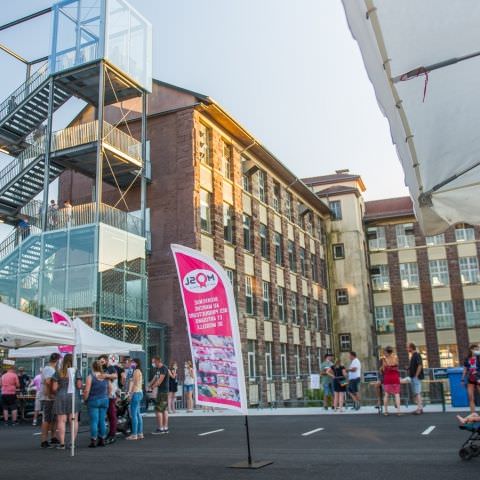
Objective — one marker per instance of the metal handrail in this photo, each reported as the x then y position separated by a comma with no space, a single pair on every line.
22,92
122,141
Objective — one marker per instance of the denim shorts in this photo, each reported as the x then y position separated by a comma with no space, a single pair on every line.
353,385
416,385
188,388
327,389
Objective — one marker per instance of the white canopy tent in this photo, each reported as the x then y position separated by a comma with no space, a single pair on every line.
423,59
20,329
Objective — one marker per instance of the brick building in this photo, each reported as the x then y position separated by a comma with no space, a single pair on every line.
214,187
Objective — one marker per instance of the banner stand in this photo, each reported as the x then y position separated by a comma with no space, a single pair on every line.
249,464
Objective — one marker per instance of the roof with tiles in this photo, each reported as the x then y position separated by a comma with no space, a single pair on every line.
388,208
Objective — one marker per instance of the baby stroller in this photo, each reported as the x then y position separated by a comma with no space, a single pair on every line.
124,422
471,448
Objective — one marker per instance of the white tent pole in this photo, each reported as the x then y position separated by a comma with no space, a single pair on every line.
74,394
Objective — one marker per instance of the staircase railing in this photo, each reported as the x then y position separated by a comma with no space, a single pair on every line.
23,91
15,238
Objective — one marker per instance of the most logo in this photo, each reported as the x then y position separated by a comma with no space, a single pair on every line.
200,281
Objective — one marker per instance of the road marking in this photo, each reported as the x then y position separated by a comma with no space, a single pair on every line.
209,433
429,430
38,433
306,434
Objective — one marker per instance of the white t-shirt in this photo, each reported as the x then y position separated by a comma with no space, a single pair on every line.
48,372
358,372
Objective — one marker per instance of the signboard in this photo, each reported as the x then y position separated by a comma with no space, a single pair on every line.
61,318
370,377
440,373
315,381
213,332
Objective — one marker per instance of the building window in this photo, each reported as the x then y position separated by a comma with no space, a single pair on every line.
314,267
435,240
413,313
405,235
264,247
281,303
338,251
268,360
292,260
283,361
305,311
380,277
276,197
205,211
246,183
341,295
252,362
308,357
472,311
303,265
293,308
409,275
249,303
443,315
384,319
204,145
345,342
301,215
308,221
228,220
277,241
247,233
336,209
326,317
469,269
376,238
231,276
439,273
316,314
266,299
464,233
448,355
262,186
296,357
288,205
226,160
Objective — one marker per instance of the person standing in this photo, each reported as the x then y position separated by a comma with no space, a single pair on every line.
53,214
110,373
63,399
415,372
391,379
24,380
172,386
135,391
326,380
471,374
339,375
161,383
10,384
189,385
68,209
354,376
96,396
37,384
47,402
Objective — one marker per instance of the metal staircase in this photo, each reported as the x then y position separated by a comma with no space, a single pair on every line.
26,109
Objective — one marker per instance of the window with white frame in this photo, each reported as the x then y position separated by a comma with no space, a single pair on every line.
469,269
409,275
345,342
231,276
326,317
376,238
413,313
384,319
276,197
443,315
435,240
316,314
268,360
205,211
252,362
227,160
472,311
303,263
308,357
247,232
341,296
338,251
289,206
249,299
405,235
228,222
296,357
264,247
246,183
266,299
293,308
336,209
292,260
305,310
277,241
314,267
319,357
380,277
283,360
281,303
464,233
204,144
262,186
439,273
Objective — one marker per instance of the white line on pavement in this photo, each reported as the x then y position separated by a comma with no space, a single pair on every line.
429,430
37,433
209,433
306,434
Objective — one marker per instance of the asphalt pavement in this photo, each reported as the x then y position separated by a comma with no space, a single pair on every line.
300,446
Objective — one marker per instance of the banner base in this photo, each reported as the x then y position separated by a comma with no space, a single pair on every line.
251,465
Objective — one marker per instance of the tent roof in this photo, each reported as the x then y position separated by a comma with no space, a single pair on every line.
20,329
423,60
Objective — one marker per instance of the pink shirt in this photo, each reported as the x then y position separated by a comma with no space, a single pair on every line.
10,383
37,381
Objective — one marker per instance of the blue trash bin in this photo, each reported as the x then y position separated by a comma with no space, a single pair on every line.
458,390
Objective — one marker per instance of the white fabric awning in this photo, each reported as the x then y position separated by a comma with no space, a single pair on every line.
19,329
88,341
423,59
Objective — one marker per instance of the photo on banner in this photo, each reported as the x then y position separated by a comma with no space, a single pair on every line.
213,332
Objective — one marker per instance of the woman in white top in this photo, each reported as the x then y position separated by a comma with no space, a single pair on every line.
135,391
188,385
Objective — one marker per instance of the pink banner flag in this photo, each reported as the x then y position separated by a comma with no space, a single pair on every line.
61,318
212,326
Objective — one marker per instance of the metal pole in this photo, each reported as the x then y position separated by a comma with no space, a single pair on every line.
248,441
442,393
100,115
143,188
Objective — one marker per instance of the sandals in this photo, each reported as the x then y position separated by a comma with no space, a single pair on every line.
132,437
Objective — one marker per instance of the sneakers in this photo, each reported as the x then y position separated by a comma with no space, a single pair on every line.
101,442
158,431
54,441
110,440
93,443
45,445
34,423
60,446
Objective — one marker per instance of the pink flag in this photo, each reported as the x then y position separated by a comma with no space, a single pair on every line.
61,318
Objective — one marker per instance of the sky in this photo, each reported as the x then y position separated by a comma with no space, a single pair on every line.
288,70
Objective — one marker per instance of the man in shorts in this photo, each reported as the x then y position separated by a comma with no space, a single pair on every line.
415,372
110,373
326,380
160,382
47,399
354,376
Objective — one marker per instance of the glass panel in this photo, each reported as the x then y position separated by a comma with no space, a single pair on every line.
135,254
82,246
112,328
135,288
112,247
30,251
112,294
55,247
53,289
81,289
28,294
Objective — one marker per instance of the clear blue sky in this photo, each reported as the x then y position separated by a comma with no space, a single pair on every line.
288,70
